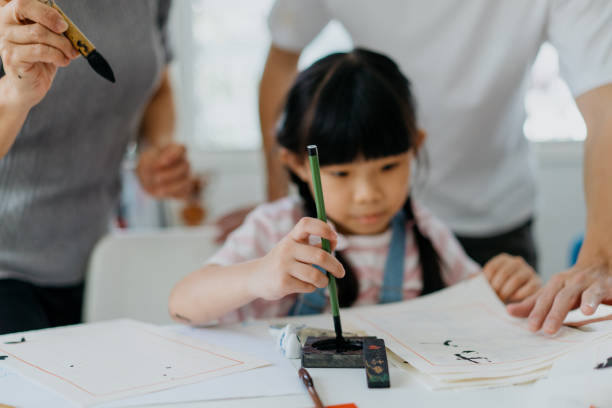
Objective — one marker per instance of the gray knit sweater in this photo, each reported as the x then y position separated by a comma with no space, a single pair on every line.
60,181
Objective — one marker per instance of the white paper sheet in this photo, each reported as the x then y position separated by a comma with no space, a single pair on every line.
576,318
280,378
17,391
579,379
99,362
465,330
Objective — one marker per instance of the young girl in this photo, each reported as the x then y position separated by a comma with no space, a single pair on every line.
358,109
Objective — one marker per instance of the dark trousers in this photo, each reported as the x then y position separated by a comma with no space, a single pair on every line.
24,306
518,241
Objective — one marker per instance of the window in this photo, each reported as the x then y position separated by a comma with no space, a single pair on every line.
552,114
221,50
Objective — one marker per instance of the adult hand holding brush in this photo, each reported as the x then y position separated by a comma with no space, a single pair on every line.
32,47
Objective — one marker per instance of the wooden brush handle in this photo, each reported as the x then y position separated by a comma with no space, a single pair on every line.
76,37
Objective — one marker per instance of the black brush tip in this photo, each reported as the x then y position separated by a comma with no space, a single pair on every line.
99,64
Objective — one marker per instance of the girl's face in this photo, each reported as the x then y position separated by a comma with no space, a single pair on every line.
362,197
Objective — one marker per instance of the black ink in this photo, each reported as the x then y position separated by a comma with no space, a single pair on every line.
16,342
607,364
3,358
71,365
471,359
468,351
448,343
342,345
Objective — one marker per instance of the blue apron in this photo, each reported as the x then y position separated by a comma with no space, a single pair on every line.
393,280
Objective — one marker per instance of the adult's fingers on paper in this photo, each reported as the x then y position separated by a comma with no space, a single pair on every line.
544,302
310,274
523,308
592,297
33,10
600,291
39,34
308,226
566,300
311,255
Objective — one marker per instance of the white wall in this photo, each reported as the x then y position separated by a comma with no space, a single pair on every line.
237,180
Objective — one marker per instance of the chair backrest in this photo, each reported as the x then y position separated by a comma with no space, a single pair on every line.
131,274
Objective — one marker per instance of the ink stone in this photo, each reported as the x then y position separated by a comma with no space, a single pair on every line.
324,352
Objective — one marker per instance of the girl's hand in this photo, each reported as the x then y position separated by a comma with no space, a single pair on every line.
288,267
511,277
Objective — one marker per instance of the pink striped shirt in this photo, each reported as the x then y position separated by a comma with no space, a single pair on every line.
265,226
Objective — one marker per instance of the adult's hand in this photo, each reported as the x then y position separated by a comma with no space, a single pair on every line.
165,172
588,284
32,47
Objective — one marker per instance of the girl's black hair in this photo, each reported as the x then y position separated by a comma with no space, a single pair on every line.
352,105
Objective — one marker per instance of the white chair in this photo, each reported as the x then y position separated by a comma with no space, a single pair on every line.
131,274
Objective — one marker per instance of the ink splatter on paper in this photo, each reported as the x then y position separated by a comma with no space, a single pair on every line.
465,354
16,341
607,364
460,356
3,358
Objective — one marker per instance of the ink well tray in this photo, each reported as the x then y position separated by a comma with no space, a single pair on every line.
321,352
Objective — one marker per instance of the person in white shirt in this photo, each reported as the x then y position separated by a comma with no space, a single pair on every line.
469,60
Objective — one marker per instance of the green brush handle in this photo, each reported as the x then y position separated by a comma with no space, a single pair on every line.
313,157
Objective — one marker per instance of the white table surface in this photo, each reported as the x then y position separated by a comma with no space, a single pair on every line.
338,386
335,386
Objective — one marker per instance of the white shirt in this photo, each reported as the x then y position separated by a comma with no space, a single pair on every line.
468,61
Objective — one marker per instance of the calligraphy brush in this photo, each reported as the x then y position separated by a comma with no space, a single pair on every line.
84,46
313,156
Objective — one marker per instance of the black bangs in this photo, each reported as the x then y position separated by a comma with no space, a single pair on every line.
351,105
358,115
